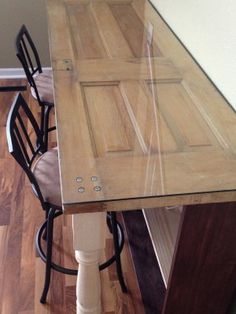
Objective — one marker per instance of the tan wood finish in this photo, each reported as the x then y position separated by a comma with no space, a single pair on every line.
141,113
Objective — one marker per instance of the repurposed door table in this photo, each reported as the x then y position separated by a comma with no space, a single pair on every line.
140,125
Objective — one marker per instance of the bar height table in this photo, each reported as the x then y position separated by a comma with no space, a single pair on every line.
140,125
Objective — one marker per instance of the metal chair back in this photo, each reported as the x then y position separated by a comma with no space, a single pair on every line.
29,57
24,139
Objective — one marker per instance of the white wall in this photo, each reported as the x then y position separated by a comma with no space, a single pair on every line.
14,13
208,29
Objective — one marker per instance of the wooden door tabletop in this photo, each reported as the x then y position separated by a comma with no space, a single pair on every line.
139,124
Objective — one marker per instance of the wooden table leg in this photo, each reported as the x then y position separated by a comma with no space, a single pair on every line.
89,241
203,275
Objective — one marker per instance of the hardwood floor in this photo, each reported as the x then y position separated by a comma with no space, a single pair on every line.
21,271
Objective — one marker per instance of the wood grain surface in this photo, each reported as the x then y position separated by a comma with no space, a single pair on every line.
134,110
203,273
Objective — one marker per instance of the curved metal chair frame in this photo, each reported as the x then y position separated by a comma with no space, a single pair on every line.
30,61
25,152
47,226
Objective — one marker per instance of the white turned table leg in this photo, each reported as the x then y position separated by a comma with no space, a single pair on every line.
88,241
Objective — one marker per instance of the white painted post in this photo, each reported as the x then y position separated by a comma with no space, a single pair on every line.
89,241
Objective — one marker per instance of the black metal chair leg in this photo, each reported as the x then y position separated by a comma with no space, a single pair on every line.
117,253
42,122
45,231
109,223
42,118
49,255
46,125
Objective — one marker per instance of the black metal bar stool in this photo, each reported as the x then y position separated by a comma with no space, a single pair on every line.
43,173
41,82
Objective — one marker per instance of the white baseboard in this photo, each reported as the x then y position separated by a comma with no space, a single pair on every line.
9,73
14,73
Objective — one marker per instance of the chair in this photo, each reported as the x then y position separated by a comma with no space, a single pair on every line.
41,83
43,173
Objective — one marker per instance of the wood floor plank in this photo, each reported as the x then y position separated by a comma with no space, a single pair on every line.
10,300
7,183
108,303
57,296
39,275
3,250
32,217
70,299
68,259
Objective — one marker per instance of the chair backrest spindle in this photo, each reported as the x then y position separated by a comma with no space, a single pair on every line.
29,57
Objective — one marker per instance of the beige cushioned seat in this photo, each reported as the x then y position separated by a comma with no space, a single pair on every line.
46,171
44,83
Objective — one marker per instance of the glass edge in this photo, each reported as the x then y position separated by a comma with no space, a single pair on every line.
147,197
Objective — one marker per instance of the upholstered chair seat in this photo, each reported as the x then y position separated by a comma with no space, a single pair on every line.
44,82
46,171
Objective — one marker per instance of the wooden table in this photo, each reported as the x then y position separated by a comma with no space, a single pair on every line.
141,126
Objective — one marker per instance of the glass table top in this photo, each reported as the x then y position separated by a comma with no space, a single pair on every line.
136,116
